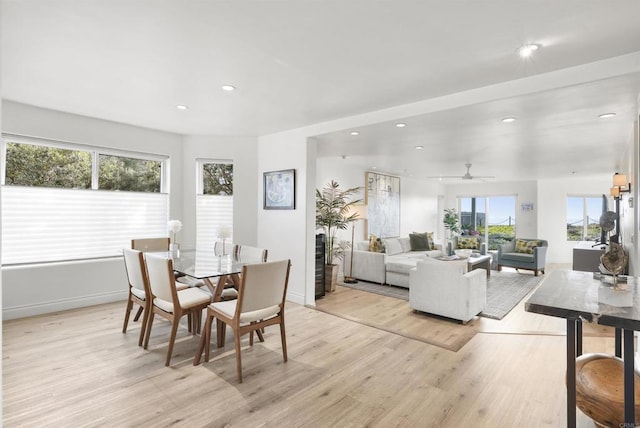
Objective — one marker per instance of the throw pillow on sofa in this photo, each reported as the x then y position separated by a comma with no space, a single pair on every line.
375,244
392,246
526,247
419,241
468,243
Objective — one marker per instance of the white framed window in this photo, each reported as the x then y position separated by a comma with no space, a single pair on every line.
583,217
214,202
63,201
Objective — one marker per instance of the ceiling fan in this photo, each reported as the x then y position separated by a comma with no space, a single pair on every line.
466,176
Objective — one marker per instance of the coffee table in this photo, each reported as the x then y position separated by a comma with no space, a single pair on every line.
480,262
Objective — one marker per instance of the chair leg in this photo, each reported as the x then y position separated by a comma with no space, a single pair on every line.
137,317
221,329
126,315
149,325
205,342
189,321
143,328
284,340
236,338
172,338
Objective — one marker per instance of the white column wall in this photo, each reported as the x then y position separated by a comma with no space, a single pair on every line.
243,151
35,289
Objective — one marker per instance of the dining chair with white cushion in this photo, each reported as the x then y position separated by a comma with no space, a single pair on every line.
171,303
138,289
260,303
247,252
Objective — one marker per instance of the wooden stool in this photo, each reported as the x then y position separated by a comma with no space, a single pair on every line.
600,389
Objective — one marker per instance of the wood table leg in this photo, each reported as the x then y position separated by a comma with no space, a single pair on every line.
571,373
629,398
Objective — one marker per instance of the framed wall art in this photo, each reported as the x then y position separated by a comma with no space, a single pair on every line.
280,190
382,197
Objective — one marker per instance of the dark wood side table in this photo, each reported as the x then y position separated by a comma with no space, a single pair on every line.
576,296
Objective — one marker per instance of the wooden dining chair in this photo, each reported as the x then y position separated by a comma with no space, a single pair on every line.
150,244
247,252
260,303
170,303
139,290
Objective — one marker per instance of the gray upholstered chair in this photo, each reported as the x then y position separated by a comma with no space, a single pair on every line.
522,253
469,242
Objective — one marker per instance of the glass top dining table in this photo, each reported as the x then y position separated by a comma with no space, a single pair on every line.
215,271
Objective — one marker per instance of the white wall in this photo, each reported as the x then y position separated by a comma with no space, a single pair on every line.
290,234
35,289
243,151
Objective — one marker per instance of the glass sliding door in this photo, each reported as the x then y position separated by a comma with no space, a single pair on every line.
492,217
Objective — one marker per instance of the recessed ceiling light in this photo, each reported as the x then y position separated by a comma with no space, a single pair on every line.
400,125
354,133
182,107
509,119
228,88
606,115
526,50
419,147
374,167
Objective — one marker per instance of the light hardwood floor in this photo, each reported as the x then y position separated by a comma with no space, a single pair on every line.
76,368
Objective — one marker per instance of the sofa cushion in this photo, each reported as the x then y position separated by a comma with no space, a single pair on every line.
375,244
520,257
468,243
406,244
392,246
401,266
526,246
419,241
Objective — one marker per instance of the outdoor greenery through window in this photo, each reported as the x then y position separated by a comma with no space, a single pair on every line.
583,218
492,217
64,201
217,178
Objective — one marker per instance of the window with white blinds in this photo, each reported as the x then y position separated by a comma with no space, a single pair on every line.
214,202
54,207
46,224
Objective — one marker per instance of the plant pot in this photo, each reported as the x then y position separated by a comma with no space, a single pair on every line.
330,277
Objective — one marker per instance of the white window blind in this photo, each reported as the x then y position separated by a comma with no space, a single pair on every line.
48,224
213,212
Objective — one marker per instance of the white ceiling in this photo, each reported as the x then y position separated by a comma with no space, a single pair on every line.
297,63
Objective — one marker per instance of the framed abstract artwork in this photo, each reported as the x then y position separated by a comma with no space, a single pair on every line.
280,190
382,197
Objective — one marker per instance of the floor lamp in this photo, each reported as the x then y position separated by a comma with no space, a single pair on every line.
361,214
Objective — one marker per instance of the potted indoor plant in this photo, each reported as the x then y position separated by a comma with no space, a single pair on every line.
333,206
452,224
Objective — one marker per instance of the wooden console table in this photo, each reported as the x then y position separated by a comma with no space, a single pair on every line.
575,296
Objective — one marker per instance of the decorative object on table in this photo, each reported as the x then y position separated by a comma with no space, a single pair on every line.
452,224
382,197
332,214
175,226
360,212
279,190
220,247
614,260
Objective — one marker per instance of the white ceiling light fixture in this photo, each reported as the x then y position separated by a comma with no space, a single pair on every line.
606,115
508,119
400,125
419,147
228,88
182,107
354,133
527,50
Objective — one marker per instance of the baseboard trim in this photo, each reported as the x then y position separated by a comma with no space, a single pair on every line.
24,311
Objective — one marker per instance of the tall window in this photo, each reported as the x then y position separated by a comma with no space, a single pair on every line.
214,202
58,202
492,217
583,218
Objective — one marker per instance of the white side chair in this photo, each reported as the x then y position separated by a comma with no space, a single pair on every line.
138,289
170,303
260,303
247,252
445,288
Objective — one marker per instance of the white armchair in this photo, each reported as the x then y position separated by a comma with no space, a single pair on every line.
445,288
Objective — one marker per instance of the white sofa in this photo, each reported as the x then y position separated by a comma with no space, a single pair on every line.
445,288
391,267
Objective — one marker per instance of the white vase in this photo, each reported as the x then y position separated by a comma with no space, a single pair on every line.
174,249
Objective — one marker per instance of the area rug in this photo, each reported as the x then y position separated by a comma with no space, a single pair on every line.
504,291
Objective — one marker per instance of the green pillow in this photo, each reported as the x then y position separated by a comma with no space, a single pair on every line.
419,241
468,243
526,247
